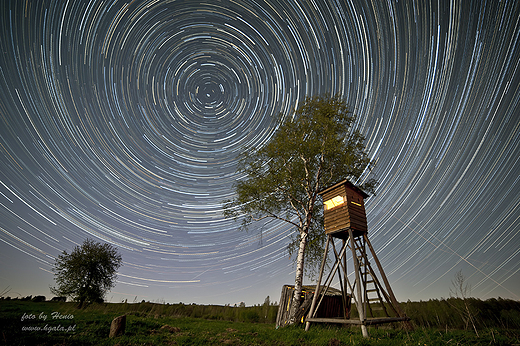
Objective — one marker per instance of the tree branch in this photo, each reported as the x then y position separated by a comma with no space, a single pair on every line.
274,216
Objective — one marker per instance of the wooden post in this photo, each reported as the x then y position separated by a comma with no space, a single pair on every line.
345,278
359,300
342,283
317,290
330,277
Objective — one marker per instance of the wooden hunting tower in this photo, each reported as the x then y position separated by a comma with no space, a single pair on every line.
345,223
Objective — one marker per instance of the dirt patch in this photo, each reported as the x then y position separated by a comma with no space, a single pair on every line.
334,342
170,329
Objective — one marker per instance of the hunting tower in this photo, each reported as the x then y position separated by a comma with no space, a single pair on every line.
346,225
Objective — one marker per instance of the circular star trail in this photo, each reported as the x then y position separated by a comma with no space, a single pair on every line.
122,122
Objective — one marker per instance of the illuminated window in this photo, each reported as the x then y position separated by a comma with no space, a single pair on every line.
359,205
334,202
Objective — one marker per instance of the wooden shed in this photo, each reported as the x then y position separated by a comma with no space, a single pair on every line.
331,306
344,207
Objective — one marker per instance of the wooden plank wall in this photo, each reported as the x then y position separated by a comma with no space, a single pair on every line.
350,214
282,318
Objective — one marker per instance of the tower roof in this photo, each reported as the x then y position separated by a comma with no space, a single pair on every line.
349,184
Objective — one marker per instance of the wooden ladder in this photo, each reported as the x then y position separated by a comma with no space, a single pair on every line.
372,289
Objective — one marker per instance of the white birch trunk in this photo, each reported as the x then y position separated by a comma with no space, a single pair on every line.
298,281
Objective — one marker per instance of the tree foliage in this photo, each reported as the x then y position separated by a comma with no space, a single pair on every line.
312,150
87,273
315,148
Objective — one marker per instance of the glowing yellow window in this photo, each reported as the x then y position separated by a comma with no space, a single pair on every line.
334,202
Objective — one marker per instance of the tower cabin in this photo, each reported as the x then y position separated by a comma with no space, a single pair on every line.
344,208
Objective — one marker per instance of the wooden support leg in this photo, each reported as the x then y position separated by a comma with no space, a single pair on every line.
393,300
359,301
317,290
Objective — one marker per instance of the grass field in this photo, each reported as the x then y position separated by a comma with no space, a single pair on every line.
52,323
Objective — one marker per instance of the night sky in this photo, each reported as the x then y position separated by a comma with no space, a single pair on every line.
122,122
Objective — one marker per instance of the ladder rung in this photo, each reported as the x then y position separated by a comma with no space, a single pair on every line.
374,300
372,290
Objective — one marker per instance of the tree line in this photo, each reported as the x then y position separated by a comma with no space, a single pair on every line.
450,313
434,313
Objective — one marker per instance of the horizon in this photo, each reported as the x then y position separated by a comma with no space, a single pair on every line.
123,122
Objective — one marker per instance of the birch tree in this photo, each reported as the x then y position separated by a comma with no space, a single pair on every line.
312,149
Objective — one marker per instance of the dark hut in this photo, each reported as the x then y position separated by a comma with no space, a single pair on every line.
331,306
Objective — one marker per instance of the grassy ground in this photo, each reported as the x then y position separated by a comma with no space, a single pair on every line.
49,323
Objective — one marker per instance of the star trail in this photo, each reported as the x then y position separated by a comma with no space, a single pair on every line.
122,122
